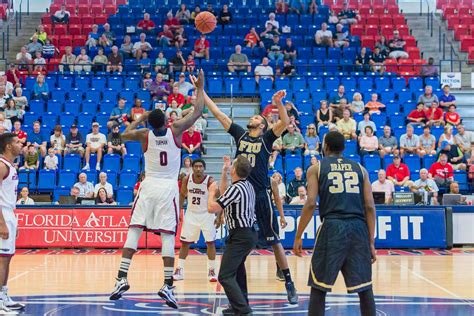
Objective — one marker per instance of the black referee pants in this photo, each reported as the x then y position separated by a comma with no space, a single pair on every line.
232,274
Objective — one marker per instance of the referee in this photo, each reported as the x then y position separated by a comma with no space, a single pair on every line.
238,203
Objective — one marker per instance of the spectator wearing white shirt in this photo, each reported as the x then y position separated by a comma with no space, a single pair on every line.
58,140
25,199
324,37
382,185
61,16
104,184
86,189
141,46
51,160
95,143
272,21
183,86
426,187
263,70
301,198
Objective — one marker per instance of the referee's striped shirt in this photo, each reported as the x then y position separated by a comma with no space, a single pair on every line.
238,202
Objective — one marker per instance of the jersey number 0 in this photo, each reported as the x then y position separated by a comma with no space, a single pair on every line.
347,182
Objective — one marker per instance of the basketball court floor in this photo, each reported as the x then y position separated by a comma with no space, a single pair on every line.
78,282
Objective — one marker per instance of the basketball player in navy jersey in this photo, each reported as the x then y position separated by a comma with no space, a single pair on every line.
255,144
345,240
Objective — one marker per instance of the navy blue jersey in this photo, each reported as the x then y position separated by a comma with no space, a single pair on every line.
341,188
258,151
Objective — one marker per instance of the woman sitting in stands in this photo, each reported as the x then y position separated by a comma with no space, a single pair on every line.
452,117
102,198
24,197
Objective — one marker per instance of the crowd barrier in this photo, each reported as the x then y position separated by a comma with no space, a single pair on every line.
100,227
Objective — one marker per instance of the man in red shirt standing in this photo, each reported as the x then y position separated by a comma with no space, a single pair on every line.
146,25
399,173
201,47
442,172
13,75
191,142
434,115
176,96
418,116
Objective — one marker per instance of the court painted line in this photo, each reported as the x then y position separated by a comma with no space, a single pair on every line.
25,272
435,284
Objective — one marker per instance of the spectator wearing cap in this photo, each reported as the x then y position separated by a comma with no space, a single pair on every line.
409,142
428,97
95,143
275,51
398,173
271,20
184,87
238,61
464,139
454,154
146,25
115,145
434,115
452,117
418,115
120,114
447,99
115,60
191,142
74,142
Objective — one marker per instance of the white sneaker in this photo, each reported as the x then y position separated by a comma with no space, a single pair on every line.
121,286
4,310
178,274
86,167
9,303
166,293
97,167
212,275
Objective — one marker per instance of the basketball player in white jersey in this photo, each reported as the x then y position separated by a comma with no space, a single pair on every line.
155,207
195,187
10,148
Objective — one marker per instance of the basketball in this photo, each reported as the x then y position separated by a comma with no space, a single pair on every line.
205,22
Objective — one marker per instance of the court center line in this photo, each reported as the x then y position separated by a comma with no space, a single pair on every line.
435,284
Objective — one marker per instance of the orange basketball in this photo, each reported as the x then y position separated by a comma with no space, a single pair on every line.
205,22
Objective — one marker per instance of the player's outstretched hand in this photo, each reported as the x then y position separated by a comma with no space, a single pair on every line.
199,81
298,247
278,96
373,253
4,233
227,163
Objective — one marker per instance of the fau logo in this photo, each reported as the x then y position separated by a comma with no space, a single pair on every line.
197,191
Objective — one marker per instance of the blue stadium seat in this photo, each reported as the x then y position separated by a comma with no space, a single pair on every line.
75,94
232,86
85,119
315,83
27,178
397,119
134,148
72,162
107,106
110,95
298,83
36,106
115,83
67,178
46,180
404,95
379,119
89,106
433,81
215,85
65,82
112,177
398,83
128,178
249,86
49,119
350,147
373,175
353,157
93,94
282,83
46,131
387,160
305,106
382,83
128,95
131,162
428,160
54,106
60,191
415,83
292,162
83,83
412,161
372,162
265,83
306,119
72,106
30,117
387,95
331,83
437,131
349,83
91,176
111,162
460,176
144,95
301,95
99,83
125,195
365,83
58,94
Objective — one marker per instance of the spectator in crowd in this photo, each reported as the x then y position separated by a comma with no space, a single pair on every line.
141,46
275,51
289,50
447,135
299,180
397,46
74,193
382,185
454,189
251,39
374,105
418,115
293,141
452,117
147,81
24,59
301,198
347,125
176,96
210,9
120,114
341,37
159,89
336,99
126,48
427,142
263,70
426,187
225,16
357,105
441,171
93,37
61,16
191,142
34,46
12,112
382,44
110,35
86,188
83,62
104,42
429,70
51,161
278,180
144,64
103,184
41,34
197,10
271,19
24,197
179,39
298,6
338,111
31,159
288,69
40,89
137,110
115,145
39,62
398,173
173,108
146,25
184,87
238,61
22,136
323,114
464,139
21,101
368,143
428,97
312,141
165,37
104,198
447,99
57,140
100,61
324,37
201,47
267,35
74,142
364,123
281,7
49,50
183,14
95,143
115,60
190,63
409,142
161,64
67,60
348,15
177,63
13,75
172,22
363,60
377,60
455,156
187,168
5,123
434,115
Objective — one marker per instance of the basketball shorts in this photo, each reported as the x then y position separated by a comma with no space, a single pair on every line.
266,218
155,208
194,223
341,245
7,246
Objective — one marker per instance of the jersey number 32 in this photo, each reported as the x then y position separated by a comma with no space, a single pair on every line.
344,182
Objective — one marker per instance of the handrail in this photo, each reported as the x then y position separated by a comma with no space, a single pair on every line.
11,15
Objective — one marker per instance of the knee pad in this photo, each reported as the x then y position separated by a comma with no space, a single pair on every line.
133,236
167,245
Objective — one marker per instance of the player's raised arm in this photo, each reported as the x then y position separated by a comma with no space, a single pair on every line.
312,178
369,212
131,132
284,120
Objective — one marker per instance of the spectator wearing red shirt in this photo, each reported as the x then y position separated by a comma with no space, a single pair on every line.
434,115
442,172
452,117
201,47
191,142
164,38
399,173
20,134
418,116
172,22
176,96
146,25
13,75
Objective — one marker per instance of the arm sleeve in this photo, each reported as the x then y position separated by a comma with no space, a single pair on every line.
231,195
236,131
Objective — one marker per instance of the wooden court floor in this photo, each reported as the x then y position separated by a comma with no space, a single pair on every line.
68,284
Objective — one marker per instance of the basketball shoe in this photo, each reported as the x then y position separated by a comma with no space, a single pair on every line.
212,275
166,293
121,286
291,291
178,274
7,300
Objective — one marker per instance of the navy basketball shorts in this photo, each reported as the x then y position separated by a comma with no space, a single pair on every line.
266,219
341,245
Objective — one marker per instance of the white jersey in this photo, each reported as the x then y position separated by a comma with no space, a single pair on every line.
198,194
162,157
8,187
